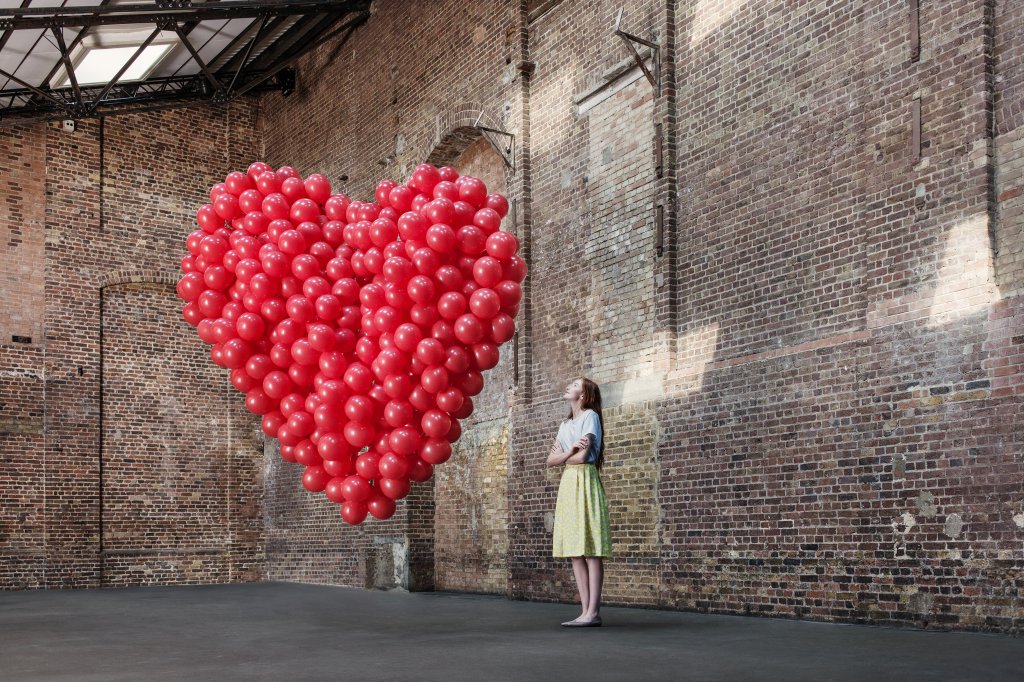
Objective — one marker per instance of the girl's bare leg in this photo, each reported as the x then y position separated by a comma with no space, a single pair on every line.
579,569
595,570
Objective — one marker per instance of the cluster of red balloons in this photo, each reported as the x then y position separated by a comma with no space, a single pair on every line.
358,330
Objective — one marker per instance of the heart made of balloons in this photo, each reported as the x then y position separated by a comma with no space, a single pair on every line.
360,331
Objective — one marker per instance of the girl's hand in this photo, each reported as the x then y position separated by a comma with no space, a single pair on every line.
555,451
582,444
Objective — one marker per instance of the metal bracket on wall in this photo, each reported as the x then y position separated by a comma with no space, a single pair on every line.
915,30
507,151
629,39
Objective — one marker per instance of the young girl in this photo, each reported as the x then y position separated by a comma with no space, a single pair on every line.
581,513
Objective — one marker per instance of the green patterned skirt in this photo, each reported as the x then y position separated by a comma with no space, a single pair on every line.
581,514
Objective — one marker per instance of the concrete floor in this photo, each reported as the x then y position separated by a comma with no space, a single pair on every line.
280,631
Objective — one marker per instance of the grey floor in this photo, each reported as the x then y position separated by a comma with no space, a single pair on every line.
280,631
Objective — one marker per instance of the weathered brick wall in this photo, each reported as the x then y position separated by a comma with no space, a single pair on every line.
124,461
812,387
23,169
1008,58
376,108
471,489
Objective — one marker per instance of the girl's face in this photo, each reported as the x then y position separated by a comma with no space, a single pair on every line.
573,391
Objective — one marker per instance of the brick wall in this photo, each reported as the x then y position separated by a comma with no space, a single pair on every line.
23,168
124,461
378,107
812,376
810,388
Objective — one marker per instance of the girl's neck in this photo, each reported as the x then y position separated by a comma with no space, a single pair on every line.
577,409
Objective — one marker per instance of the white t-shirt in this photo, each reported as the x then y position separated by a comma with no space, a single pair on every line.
571,430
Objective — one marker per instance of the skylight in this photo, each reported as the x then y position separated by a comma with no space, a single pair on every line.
99,64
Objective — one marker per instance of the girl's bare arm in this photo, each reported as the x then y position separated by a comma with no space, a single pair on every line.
556,456
580,448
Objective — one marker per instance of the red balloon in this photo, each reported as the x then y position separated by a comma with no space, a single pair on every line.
468,329
404,441
485,355
382,232
293,188
464,410
337,206
400,198
395,488
488,220
450,400
435,424
340,468
301,423
451,305
333,446
358,434
192,314
426,261
242,381
423,315
434,379
473,191
315,479
381,506
450,278
485,303
276,206
272,421
398,413
424,178
191,286
354,513
318,188
422,400
209,219
440,210
250,326
503,328
333,489
441,238
502,245
510,293
305,453
258,402
420,471
470,383
383,191
236,182
398,386
268,183
393,466
436,451
356,488
235,353
277,384
487,271
454,432
456,360
471,240
498,203
366,465
226,206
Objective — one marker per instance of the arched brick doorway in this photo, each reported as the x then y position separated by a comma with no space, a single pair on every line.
471,497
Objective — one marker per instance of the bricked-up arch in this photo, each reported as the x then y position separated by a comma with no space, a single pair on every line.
139,276
471,496
456,132
166,427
